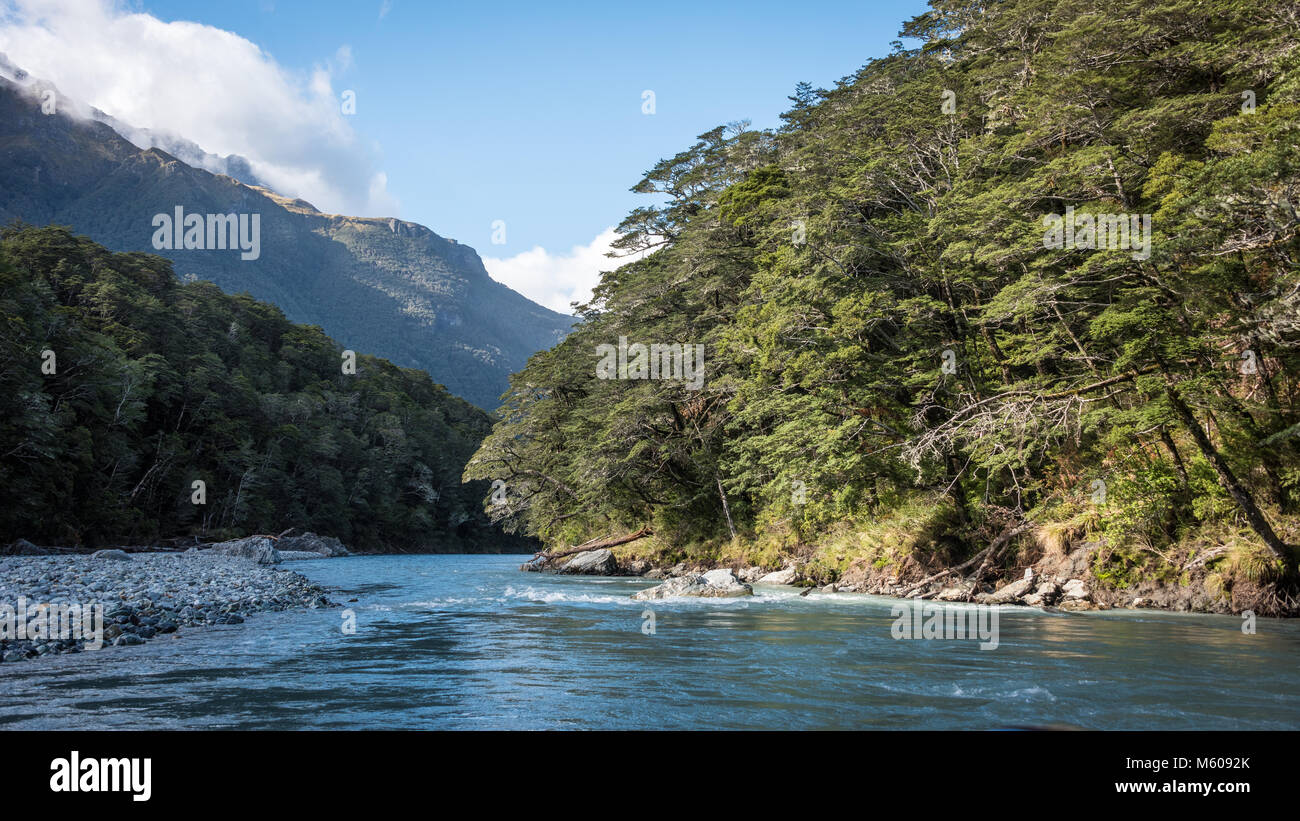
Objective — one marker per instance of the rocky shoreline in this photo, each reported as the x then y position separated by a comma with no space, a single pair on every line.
55,600
1055,583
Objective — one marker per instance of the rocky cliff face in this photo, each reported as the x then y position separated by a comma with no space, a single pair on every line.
378,285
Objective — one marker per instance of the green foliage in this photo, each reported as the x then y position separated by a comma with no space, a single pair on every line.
158,384
924,244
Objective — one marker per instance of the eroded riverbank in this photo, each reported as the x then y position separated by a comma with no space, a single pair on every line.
1064,580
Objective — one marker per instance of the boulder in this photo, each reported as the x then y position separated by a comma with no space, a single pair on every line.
113,555
592,563
957,593
258,548
1077,604
1045,594
1011,592
721,578
299,555
787,576
714,584
22,547
1076,589
309,542
638,567
749,575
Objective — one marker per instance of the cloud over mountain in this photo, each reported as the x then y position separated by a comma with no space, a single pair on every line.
212,87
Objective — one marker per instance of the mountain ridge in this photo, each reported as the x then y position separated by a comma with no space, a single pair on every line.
382,285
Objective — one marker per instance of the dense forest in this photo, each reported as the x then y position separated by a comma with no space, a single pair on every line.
122,387
933,315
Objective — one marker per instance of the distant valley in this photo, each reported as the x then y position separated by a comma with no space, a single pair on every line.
381,286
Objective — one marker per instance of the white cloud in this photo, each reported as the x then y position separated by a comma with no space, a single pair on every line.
555,280
209,86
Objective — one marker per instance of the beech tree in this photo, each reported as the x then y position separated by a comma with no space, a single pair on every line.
886,320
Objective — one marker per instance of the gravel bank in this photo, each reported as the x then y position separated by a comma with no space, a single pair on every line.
139,597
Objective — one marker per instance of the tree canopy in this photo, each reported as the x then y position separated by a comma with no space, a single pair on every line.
886,319
121,387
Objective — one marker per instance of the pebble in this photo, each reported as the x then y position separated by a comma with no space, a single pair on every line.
148,595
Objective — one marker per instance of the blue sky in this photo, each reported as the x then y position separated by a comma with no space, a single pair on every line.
530,113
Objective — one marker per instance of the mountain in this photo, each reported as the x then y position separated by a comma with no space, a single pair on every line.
383,286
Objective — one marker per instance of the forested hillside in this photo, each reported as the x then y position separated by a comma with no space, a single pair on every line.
913,347
385,286
120,387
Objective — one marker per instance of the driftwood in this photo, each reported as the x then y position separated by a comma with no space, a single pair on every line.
995,552
594,544
282,534
1205,556
987,554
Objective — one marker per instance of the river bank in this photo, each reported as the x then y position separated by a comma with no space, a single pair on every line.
1064,577
52,601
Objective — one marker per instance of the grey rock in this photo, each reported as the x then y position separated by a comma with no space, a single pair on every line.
749,575
787,576
1011,592
1077,604
150,594
1076,589
309,542
1044,595
592,563
115,555
956,593
258,548
714,584
22,547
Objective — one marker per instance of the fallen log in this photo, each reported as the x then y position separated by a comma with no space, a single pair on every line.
996,550
1000,541
595,544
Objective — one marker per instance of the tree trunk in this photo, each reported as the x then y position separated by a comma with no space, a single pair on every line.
596,544
1227,478
726,508
1186,485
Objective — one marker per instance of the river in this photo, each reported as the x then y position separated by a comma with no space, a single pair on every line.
470,642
